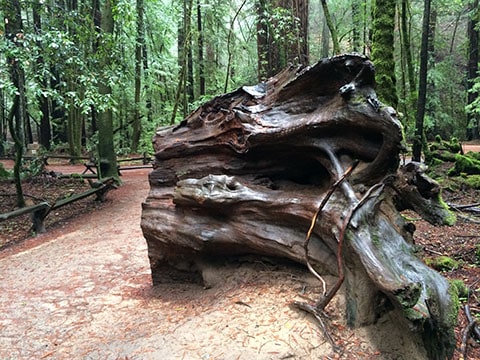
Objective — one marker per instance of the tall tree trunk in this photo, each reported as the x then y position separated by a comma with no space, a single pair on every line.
472,67
302,13
18,115
410,97
262,40
139,45
282,35
331,27
325,50
383,50
3,123
356,25
201,60
106,151
183,42
229,46
422,86
431,102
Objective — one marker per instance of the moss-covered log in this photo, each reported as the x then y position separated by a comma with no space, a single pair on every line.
246,172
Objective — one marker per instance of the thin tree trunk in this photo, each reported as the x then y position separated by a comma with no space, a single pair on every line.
422,86
189,94
356,25
407,51
430,106
106,151
201,60
472,67
139,45
18,115
3,123
18,153
325,51
229,46
262,43
331,27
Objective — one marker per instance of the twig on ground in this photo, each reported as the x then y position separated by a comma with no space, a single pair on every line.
466,334
432,251
468,218
460,207
468,314
311,309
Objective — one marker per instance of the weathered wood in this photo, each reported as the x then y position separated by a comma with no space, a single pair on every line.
246,172
37,212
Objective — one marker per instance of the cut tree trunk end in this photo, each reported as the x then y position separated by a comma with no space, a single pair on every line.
247,171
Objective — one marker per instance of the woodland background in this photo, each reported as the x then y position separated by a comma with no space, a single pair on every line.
83,76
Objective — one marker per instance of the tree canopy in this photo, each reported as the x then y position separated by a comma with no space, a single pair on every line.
159,59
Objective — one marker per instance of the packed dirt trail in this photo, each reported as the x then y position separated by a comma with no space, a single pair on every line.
84,291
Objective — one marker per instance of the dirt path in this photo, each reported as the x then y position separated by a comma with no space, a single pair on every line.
84,292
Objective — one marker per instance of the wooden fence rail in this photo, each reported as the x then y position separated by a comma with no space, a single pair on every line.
40,211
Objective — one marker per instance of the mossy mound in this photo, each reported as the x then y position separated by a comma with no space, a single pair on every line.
442,263
465,164
441,150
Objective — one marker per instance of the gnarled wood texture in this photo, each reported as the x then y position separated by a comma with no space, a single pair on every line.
246,171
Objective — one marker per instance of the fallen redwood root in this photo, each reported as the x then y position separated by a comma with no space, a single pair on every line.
247,171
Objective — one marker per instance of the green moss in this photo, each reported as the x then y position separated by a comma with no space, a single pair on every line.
442,263
451,218
462,289
473,155
472,181
452,315
465,164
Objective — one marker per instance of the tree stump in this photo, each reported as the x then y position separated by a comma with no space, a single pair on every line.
247,171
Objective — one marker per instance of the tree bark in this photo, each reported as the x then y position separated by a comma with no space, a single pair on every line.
357,25
410,86
383,49
422,86
45,132
246,172
282,35
106,150
201,59
139,45
472,67
12,12
331,27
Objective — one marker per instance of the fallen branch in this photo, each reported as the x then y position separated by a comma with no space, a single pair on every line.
468,314
466,334
461,207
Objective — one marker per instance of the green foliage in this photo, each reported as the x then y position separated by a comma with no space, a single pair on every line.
4,173
61,61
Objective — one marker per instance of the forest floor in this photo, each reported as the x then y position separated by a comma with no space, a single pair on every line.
83,289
